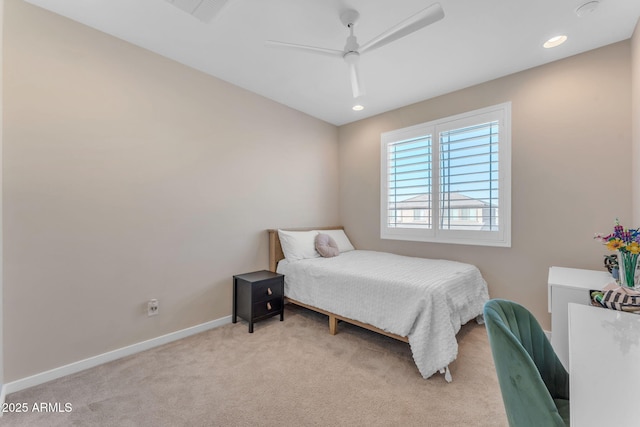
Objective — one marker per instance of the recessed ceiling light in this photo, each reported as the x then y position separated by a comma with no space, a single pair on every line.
357,107
555,41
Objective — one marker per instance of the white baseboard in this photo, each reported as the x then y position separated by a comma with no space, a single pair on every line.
91,362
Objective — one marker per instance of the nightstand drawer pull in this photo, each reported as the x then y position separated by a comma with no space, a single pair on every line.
269,306
269,291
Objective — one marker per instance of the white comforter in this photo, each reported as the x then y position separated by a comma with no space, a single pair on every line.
425,300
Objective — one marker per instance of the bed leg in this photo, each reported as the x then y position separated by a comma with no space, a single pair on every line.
333,325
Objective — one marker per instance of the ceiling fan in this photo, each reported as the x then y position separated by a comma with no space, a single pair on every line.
352,50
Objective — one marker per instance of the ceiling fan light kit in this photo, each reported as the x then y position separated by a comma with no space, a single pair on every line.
352,50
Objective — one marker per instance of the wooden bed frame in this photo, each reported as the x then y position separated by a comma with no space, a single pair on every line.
276,254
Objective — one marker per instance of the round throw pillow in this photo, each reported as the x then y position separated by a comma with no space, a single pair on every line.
326,246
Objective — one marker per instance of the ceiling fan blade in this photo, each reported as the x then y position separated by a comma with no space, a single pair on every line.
304,48
356,83
420,20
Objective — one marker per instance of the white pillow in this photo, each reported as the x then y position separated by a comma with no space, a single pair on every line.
341,239
298,245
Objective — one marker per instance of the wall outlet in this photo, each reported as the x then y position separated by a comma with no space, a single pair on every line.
152,307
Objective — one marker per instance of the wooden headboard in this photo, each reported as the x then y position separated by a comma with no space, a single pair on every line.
275,249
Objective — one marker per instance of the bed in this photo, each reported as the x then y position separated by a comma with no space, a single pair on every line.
423,302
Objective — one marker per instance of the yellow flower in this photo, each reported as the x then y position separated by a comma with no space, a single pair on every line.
615,244
633,247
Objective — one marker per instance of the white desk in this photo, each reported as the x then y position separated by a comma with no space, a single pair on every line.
604,354
566,285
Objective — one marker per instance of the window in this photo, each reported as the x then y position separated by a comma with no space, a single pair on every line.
449,180
419,215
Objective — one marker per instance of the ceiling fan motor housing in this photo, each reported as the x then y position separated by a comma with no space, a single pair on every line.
351,57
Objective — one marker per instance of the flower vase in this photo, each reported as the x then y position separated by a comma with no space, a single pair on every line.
628,263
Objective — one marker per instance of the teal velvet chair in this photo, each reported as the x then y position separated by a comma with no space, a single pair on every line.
533,382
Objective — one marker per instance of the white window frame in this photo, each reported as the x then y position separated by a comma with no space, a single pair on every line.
501,237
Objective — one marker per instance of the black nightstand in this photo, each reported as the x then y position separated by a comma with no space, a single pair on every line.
258,295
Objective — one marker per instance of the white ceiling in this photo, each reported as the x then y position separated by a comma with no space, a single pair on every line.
477,41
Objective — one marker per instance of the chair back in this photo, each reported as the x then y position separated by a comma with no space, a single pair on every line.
532,378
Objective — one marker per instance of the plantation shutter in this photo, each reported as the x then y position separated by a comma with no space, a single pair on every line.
468,177
409,172
449,180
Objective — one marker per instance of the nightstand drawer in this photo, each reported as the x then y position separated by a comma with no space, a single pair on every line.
267,307
267,289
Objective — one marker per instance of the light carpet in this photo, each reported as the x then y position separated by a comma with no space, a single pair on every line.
291,373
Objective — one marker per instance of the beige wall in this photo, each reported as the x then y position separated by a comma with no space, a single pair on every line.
128,177
635,120
571,140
